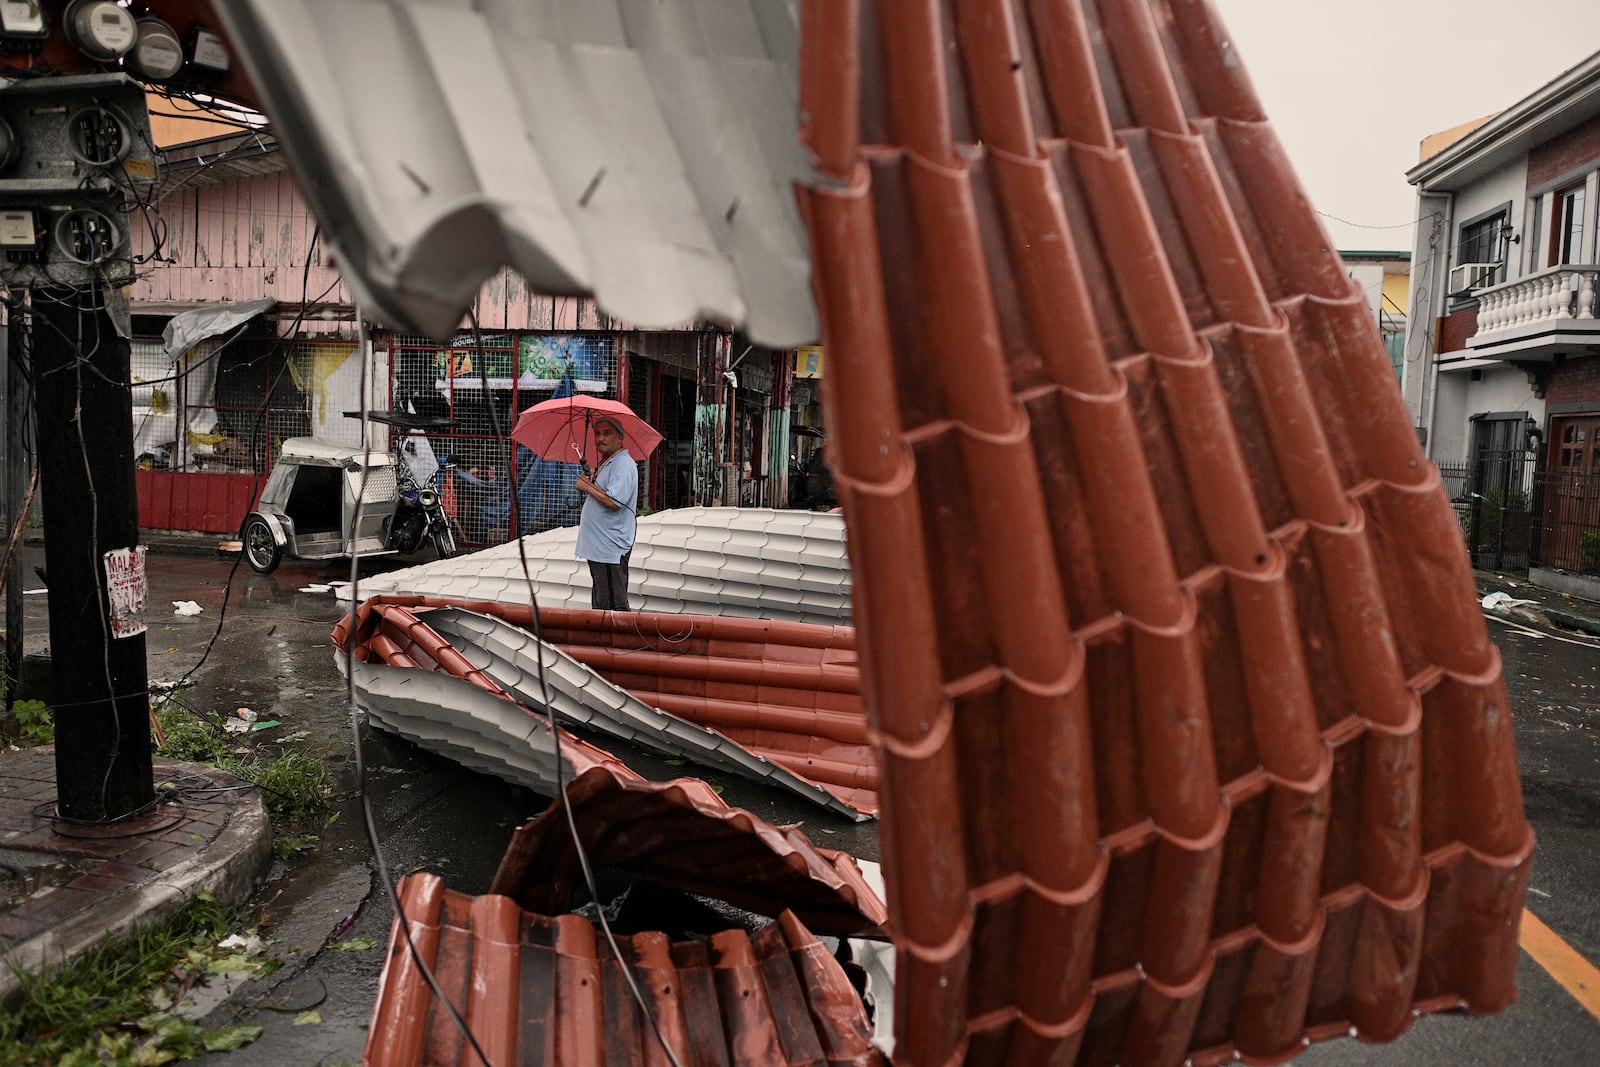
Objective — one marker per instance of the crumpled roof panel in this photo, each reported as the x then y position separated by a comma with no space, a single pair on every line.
1192,739
681,835
750,562
637,159
778,702
538,989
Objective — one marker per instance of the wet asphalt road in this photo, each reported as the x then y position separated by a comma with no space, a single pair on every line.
273,655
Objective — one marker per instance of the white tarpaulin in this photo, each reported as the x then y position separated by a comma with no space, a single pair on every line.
185,331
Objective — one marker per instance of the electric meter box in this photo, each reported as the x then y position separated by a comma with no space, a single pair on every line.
88,132
78,152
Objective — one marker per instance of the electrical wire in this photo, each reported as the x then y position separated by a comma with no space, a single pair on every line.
552,720
402,922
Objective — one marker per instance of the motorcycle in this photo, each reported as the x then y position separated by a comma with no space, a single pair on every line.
307,509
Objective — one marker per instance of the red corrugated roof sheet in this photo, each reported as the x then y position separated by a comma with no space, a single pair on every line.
787,692
681,834
1193,742
536,989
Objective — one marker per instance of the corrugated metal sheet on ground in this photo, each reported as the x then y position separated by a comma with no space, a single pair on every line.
752,562
680,834
546,990
1193,741
617,147
776,702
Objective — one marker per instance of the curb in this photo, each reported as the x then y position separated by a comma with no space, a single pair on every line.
1573,621
167,543
228,867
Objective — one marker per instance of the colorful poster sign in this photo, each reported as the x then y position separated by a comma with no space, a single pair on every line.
127,590
808,362
541,360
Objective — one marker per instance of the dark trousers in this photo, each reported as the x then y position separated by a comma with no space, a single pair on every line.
610,581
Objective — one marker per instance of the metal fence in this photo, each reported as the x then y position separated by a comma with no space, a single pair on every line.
1568,533
228,405
1514,514
481,383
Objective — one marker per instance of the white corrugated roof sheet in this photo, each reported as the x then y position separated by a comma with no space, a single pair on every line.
642,151
760,563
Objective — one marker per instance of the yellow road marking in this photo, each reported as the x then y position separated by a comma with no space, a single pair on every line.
1577,975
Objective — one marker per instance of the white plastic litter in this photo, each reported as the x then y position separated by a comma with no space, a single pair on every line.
186,607
252,943
1498,601
316,587
239,722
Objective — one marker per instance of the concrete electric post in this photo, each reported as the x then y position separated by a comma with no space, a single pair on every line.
75,152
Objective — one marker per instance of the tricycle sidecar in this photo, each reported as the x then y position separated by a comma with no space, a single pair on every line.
308,505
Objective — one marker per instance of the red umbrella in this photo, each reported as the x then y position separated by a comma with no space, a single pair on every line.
562,429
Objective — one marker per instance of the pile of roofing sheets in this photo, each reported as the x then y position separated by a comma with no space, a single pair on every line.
769,701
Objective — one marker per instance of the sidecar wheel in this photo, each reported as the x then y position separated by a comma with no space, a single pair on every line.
261,549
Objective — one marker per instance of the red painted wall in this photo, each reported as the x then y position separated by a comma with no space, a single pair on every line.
207,503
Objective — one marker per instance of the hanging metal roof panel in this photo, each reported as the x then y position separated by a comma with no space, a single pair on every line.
1194,745
622,148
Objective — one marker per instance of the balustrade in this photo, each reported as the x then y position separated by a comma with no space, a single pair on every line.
1557,297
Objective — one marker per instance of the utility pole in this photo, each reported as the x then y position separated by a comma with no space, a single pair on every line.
82,372
13,410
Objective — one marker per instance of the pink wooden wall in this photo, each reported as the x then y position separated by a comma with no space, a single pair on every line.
250,237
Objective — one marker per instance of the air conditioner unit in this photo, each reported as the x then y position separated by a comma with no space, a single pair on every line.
1465,277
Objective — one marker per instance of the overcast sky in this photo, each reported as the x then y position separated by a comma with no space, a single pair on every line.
1353,86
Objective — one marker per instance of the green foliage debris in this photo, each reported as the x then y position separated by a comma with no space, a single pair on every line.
33,723
123,1003
295,784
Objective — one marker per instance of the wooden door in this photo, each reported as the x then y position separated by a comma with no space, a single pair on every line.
1572,498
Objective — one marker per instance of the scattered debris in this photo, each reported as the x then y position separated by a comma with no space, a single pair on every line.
240,721
186,607
1504,602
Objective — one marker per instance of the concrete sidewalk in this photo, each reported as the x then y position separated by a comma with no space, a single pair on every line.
66,888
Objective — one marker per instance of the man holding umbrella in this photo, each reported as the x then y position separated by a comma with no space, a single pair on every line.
607,524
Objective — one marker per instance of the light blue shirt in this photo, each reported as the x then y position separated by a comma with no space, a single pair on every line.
606,535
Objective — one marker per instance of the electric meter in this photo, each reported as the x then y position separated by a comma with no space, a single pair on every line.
158,53
100,29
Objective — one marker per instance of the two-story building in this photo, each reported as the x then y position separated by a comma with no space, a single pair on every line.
1502,359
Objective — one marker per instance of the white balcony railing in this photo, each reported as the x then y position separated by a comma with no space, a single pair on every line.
1552,299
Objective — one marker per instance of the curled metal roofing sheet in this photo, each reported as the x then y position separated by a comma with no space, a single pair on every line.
546,990
754,562
611,146
680,834
1193,741
768,701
